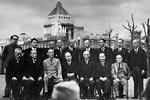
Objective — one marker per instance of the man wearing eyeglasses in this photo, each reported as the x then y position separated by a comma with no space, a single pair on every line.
8,54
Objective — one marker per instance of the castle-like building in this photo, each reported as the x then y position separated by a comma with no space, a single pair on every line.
60,24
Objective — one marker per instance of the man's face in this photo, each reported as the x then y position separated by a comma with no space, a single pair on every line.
135,43
120,43
86,55
34,44
71,44
51,53
101,43
102,57
51,44
14,40
34,54
18,53
59,44
68,56
119,58
86,43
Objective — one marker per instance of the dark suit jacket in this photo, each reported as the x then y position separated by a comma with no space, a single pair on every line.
93,54
108,53
138,59
86,70
58,54
41,53
15,69
102,71
124,53
8,53
34,70
69,69
74,53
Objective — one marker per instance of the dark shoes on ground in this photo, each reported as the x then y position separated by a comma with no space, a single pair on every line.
6,96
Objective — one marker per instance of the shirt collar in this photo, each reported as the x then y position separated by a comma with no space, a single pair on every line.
33,48
88,49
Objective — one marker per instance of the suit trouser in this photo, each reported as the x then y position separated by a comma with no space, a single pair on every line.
122,81
8,84
138,82
16,88
104,86
38,85
28,89
48,84
87,87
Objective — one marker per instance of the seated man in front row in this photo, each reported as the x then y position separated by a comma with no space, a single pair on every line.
120,73
14,69
102,75
69,68
86,81
52,72
33,76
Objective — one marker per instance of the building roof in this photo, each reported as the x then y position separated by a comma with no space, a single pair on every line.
59,10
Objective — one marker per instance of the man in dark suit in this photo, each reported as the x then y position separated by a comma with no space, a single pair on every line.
102,75
86,81
8,54
106,50
74,52
33,69
91,50
138,66
121,51
34,46
58,51
69,68
14,71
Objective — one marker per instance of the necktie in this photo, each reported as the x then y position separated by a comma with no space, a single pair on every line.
119,65
86,61
34,60
69,63
103,63
51,60
136,50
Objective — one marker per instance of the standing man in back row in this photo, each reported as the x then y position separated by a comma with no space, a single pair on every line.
121,51
8,53
106,50
91,50
34,47
74,52
138,66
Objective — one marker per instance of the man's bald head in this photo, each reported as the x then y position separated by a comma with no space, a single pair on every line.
68,56
86,54
18,52
119,58
33,54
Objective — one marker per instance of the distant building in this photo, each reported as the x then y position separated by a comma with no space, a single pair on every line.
59,23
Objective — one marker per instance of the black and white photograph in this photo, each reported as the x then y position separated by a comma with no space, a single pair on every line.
74,50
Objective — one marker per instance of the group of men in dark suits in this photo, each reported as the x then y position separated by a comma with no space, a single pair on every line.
90,67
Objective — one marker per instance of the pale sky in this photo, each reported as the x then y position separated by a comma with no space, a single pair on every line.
28,16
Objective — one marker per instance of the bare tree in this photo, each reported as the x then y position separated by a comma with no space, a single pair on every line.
131,27
108,32
146,27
